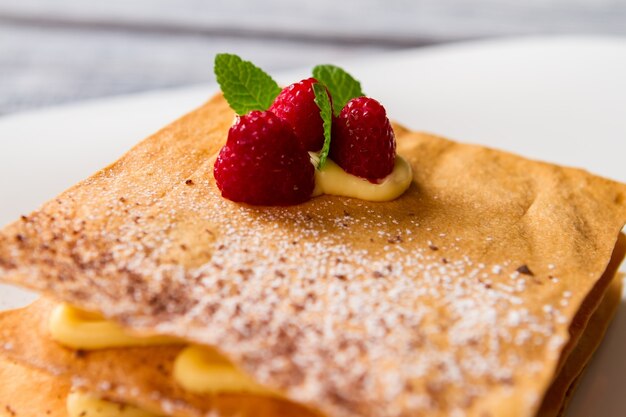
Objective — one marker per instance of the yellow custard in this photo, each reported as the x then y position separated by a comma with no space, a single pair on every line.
332,179
205,371
197,369
79,329
86,405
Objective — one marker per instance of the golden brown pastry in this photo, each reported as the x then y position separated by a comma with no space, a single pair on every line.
462,297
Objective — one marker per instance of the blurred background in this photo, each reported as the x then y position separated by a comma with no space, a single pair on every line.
57,51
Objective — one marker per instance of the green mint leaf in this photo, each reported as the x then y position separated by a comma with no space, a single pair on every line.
246,87
342,86
326,112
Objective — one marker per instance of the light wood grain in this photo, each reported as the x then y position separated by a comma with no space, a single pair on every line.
45,66
370,19
55,51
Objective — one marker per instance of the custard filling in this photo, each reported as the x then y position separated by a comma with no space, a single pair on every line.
79,329
197,369
203,370
80,404
333,180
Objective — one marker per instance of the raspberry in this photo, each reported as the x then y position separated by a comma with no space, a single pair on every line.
263,163
295,105
363,142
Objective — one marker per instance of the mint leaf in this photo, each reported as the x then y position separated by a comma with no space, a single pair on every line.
326,112
342,86
245,86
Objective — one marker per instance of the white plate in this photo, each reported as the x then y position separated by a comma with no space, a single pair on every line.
558,99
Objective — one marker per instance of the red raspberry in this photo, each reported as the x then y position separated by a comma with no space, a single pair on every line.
263,163
363,142
296,105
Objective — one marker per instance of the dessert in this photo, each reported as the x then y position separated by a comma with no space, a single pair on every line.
264,159
471,293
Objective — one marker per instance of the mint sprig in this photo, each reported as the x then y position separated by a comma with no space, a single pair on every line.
343,87
326,112
246,87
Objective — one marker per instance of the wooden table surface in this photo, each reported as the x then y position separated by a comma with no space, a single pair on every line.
57,51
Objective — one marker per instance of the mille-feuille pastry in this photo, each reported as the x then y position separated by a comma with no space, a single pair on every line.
55,392
479,287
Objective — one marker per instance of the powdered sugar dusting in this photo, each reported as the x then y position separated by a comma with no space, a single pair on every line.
407,321
406,308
